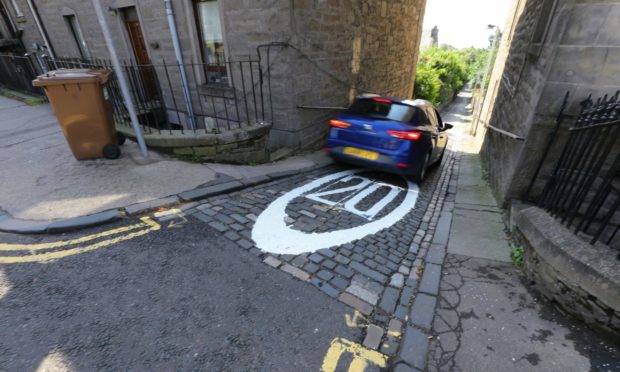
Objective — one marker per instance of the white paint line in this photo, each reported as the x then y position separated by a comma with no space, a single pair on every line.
271,234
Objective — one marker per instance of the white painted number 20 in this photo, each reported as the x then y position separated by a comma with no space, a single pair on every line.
271,233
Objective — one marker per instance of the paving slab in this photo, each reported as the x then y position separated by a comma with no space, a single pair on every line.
48,183
473,233
487,320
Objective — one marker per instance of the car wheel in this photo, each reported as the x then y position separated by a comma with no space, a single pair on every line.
421,173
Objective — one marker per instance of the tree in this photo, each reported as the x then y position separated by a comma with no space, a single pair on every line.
443,71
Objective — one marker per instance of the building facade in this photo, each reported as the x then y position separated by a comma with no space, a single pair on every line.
318,54
549,48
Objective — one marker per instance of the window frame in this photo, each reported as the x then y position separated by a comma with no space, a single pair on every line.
438,118
78,36
201,45
422,114
541,31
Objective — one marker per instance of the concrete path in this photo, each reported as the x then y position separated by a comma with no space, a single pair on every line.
42,181
486,317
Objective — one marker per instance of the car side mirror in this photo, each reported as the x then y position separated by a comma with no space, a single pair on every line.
447,126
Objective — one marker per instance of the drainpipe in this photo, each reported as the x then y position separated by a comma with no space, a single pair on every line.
122,82
179,56
37,20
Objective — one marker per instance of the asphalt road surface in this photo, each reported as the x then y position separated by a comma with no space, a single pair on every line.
179,298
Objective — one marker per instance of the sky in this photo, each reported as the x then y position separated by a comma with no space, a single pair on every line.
463,23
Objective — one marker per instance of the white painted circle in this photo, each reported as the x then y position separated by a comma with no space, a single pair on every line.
271,234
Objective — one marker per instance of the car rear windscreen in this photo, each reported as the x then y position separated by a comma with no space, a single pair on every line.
382,110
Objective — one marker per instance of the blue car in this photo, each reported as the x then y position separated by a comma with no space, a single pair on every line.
397,136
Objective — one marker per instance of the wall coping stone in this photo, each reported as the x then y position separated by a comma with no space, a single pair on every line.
189,138
593,268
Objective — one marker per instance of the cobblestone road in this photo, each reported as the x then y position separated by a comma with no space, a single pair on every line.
375,274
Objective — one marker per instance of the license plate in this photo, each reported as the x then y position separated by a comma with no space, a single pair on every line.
364,154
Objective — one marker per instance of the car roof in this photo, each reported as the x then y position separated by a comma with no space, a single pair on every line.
409,102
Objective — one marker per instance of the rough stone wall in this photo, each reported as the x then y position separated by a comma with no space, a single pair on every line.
527,88
238,146
511,96
343,48
580,278
573,299
330,51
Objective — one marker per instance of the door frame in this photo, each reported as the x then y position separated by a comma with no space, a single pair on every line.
149,91
129,52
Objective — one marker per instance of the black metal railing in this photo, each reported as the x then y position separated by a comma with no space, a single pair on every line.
18,72
238,97
583,191
242,99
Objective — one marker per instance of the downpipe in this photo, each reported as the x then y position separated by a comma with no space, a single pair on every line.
37,21
120,76
179,56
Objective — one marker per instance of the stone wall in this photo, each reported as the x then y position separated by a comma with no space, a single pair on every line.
343,48
579,54
583,279
328,51
239,146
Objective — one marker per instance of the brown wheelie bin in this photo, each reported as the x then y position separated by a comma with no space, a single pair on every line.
83,110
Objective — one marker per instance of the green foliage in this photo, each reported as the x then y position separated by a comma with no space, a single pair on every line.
427,84
27,99
441,72
516,255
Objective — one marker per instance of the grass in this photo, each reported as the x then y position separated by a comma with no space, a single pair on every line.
516,254
27,99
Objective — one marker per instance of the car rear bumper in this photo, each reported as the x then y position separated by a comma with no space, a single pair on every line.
388,163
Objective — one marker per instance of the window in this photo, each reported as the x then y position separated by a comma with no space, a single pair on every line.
431,116
382,110
439,121
211,41
74,27
542,26
423,118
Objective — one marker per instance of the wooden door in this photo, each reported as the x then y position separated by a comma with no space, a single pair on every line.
145,71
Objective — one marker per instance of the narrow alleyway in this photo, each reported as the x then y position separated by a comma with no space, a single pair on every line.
486,317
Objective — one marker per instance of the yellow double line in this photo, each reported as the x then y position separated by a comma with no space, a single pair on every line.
115,236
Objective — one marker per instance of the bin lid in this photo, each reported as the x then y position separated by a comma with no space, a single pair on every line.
72,76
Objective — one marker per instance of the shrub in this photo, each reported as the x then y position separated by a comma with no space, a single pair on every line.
427,84
450,68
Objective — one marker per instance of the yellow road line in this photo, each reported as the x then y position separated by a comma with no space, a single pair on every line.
35,247
361,356
146,222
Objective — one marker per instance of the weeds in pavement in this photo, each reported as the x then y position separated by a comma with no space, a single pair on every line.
516,254
193,158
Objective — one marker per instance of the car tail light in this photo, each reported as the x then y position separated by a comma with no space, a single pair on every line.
339,124
413,135
382,100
